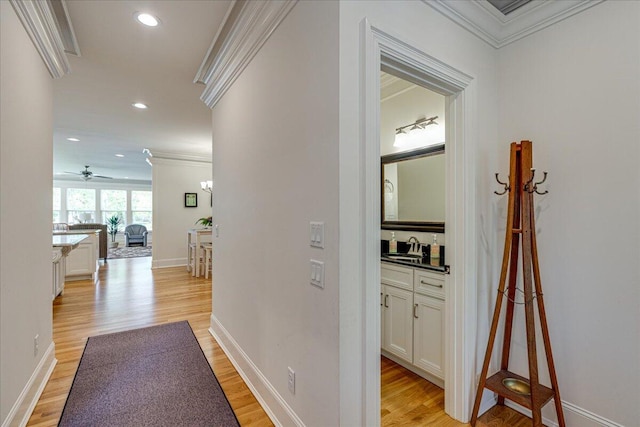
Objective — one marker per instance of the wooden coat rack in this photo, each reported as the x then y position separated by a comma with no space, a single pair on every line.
520,222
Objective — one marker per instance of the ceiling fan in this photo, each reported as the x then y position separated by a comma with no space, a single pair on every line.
87,174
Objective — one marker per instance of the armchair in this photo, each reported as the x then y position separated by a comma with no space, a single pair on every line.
135,234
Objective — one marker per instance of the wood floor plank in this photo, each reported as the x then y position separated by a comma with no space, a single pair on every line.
130,295
409,400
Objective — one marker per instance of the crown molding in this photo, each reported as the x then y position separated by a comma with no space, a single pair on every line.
489,24
67,34
247,26
166,155
38,20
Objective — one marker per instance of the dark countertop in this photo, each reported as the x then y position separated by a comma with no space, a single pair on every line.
424,263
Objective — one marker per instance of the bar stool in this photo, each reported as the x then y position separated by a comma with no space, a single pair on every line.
190,252
194,265
207,248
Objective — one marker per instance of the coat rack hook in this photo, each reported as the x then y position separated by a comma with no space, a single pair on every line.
527,185
506,185
534,188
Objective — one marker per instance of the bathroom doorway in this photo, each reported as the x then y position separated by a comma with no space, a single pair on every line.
395,57
413,159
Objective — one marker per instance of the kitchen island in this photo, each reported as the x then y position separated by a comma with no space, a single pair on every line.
62,245
82,262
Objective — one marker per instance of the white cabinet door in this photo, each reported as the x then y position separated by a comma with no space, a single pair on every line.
80,260
398,322
428,337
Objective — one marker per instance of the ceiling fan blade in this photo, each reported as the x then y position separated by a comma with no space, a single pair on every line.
100,176
72,173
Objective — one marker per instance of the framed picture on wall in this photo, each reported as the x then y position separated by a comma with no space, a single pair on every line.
190,200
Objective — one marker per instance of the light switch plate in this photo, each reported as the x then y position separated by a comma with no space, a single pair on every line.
317,273
316,231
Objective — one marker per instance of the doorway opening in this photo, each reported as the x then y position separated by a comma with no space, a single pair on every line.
386,52
413,158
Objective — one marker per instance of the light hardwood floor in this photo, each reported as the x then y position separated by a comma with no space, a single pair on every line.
130,295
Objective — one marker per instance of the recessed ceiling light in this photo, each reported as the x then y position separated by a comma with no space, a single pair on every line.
119,155
73,139
140,105
147,19
126,177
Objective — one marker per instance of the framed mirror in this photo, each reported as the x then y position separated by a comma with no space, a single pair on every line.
413,190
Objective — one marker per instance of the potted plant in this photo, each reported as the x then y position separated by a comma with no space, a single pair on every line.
113,224
206,222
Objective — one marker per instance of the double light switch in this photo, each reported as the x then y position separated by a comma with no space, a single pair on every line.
316,231
317,234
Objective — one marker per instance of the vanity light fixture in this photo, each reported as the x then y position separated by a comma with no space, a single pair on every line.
401,138
147,19
140,105
415,134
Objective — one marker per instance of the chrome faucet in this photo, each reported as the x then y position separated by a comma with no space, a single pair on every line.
415,248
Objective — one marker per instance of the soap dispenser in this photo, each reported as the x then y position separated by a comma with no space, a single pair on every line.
435,248
393,244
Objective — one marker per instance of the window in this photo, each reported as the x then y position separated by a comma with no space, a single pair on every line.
113,202
56,204
141,208
81,205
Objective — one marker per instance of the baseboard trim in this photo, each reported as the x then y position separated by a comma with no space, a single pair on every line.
274,405
573,414
166,263
26,403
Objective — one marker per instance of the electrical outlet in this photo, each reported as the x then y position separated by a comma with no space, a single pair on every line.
36,344
291,380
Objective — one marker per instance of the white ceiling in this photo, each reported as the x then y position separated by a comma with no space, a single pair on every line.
123,62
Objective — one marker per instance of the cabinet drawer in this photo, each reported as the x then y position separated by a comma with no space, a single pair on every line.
398,276
429,283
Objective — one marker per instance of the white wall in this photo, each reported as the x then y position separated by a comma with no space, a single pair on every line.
405,108
574,90
171,220
25,216
273,175
552,87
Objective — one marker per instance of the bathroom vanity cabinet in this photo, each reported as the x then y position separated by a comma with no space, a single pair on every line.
412,316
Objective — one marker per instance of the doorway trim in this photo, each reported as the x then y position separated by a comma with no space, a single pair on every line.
382,48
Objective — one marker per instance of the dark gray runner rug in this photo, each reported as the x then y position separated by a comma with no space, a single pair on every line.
155,376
